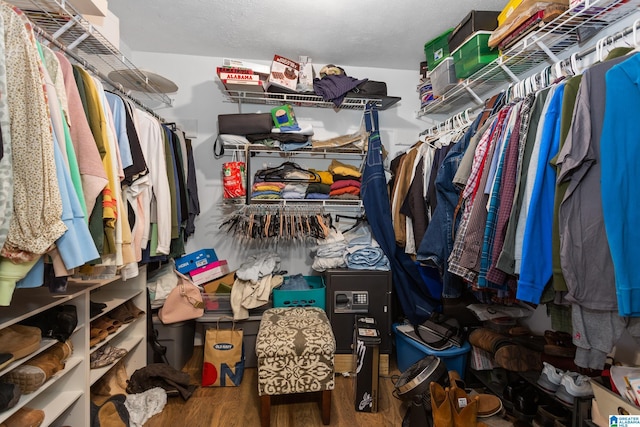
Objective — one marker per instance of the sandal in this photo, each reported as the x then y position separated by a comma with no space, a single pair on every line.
135,311
114,351
122,314
97,335
100,359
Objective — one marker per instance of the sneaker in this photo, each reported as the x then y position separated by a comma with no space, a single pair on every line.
550,377
573,385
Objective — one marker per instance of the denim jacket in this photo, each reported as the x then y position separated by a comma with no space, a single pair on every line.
437,242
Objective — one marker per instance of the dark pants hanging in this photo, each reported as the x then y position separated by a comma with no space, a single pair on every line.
412,292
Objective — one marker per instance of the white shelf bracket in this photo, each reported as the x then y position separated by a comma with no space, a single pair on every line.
508,71
77,41
546,50
474,95
63,29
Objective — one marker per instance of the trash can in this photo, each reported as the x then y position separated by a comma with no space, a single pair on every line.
366,355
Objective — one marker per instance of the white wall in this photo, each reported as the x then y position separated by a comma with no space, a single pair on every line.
200,99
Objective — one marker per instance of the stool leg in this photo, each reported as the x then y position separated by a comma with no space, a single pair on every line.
326,407
265,410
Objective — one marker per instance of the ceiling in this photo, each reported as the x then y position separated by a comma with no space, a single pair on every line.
364,33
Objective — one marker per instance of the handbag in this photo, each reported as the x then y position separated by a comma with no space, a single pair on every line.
223,364
184,302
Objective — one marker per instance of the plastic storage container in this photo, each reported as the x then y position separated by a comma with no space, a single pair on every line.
443,77
410,351
473,55
314,297
177,338
437,49
476,20
217,303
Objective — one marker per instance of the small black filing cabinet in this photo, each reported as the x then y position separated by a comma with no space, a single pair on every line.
358,292
366,358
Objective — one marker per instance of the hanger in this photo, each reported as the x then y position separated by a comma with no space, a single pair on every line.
275,174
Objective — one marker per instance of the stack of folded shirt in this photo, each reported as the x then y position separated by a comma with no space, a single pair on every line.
267,190
318,190
363,252
346,181
329,253
295,190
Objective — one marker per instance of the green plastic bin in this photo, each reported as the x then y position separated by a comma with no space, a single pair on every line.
473,55
314,297
436,50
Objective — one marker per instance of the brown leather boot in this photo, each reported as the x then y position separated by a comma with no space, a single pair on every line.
464,411
487,339
516,358
62,350
440,406
25,417
48,361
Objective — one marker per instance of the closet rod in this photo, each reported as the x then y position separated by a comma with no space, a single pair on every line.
613,38
93,69
467,112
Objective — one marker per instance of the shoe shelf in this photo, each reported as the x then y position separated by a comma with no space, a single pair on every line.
65,397
53,409
54,381
129,343
44,344
113,297
569,29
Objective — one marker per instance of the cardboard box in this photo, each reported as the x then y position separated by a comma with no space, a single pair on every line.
610,403
209,272
481,360
193,260
222,283
366,358
284,73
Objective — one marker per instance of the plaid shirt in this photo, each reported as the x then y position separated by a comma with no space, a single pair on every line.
506,154
482,154
508,188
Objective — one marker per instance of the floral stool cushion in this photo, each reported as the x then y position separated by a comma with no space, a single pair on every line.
295,348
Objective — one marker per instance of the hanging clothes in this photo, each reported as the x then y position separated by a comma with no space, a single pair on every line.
413,295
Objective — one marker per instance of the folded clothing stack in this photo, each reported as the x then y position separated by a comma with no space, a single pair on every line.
267,190
346,181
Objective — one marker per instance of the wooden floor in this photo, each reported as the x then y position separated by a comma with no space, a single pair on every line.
240,406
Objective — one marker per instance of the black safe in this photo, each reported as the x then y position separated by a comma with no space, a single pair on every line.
358,292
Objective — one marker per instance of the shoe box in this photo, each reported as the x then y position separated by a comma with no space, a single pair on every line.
609,402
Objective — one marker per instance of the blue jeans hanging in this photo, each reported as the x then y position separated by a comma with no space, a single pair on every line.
413,295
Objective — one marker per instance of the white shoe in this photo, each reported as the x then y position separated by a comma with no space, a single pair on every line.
550,377
573,385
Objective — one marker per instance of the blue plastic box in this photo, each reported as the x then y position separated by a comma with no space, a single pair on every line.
314,297
409,352
195,260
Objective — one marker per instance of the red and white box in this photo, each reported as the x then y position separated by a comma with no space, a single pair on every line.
209,272
284,72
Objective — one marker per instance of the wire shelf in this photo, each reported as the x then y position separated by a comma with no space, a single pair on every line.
570,28
66,26
308,100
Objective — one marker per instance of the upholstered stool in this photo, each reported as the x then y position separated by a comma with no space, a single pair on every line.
295,348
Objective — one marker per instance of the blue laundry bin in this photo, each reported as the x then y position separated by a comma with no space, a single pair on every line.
410,351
